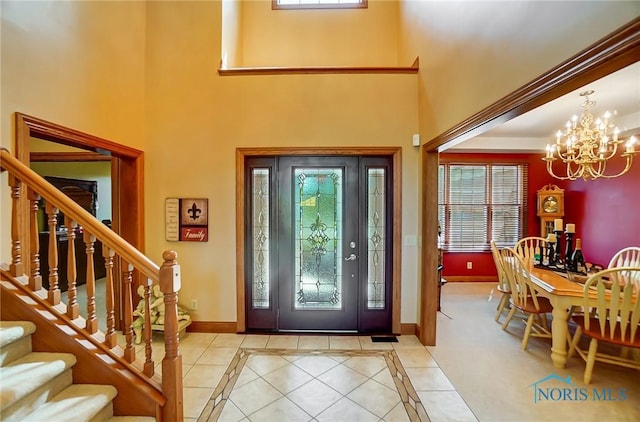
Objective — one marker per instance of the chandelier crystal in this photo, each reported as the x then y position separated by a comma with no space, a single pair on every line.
585,146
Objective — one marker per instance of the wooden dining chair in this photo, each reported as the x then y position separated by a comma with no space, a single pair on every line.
524,297
615,318
627,257
503,283
526,247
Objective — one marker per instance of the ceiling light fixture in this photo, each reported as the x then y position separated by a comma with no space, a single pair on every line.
585,146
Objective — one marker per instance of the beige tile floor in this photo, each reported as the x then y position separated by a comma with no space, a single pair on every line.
476,372
313,378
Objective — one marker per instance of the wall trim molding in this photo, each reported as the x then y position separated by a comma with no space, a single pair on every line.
410,329
406,329
212,327
54,157
471,278
307,70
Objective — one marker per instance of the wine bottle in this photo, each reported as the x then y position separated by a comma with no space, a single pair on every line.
578,258
536,255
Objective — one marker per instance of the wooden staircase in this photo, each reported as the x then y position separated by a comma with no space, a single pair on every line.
65,343
38,386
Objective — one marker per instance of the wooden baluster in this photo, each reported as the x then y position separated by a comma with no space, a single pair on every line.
35,279
73,309
172,362
92,321
148,362
54,291
17,266
111,337
127,278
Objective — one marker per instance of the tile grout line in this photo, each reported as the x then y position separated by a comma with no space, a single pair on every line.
408,395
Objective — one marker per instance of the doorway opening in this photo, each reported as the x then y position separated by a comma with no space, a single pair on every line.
318,240
126,170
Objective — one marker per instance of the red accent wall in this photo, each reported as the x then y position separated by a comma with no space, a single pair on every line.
606,213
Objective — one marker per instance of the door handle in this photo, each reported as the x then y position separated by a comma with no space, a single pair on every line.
351,257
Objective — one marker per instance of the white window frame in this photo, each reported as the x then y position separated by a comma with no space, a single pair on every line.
318,4
504,207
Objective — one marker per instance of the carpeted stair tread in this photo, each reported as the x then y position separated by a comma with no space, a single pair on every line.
37,386
11,331
28,373
78,402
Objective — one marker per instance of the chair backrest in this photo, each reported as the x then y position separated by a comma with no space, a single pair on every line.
516,272
627,257
617,307
502,278
526,247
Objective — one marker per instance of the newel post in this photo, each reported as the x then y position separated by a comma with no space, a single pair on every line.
172,362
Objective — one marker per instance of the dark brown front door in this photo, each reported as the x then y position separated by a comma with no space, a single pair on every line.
319,235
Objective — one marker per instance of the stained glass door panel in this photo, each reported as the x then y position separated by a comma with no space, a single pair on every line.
319,250
319,238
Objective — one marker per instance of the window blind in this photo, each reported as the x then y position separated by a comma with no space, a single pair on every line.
480,202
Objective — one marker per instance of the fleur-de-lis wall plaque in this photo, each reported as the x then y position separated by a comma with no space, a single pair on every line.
187,219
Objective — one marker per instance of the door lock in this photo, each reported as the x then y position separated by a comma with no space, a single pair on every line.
351,257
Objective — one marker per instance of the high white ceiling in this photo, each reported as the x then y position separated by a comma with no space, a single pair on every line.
618,93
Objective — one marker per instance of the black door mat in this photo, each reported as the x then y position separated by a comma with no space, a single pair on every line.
384,339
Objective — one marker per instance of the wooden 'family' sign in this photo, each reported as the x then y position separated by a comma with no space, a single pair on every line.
187,219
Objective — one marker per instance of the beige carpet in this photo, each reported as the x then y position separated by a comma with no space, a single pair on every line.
495,376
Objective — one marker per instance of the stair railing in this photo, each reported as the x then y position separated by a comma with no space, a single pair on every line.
133,263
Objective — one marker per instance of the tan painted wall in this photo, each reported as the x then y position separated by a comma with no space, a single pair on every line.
197,119
473,53
78,64
144,75
348,37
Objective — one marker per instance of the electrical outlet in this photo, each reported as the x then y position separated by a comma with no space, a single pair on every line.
194,305
469,265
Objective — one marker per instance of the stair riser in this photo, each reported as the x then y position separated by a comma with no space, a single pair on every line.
15,350
20,409
105,414
138,395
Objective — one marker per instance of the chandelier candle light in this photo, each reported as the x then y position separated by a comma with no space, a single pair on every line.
586,145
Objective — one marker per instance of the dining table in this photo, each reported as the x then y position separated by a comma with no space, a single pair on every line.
563,295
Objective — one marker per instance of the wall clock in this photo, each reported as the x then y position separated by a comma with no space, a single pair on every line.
550,204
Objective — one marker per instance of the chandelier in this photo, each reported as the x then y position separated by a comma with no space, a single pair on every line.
585,146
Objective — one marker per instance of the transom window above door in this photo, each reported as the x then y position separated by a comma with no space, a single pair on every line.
318,4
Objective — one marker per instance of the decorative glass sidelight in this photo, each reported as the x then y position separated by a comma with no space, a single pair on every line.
318,238
376,222
260,237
